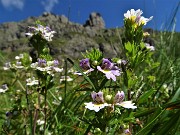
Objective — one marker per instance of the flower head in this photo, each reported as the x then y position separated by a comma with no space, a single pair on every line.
135,17
149,47
85,65
97,97
118,100
7,66
98,102
3,88
109,69
50,67
45,32
119,97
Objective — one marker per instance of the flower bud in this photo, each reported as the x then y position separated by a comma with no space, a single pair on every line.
108,98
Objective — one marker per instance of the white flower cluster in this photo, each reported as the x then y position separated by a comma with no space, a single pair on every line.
17,64
45,32
135,16
50,67
32,81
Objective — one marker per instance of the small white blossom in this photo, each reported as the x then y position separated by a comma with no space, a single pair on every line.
19,57
18,65
4,88
67,79
151,48
118,100
127,104
7,66
40,122
95,107
32,81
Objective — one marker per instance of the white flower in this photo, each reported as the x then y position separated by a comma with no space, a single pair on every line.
19,57
40,122
118,100
7,66
67,79
135,16
151,48
143,20
127,104
95,107
4,88
132,14
31,81
85,72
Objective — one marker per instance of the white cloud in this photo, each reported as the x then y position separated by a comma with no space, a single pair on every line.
49,4
19,4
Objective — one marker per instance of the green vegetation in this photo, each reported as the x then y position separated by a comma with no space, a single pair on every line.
92,100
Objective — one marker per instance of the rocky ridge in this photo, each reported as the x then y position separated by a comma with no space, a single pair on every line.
70,40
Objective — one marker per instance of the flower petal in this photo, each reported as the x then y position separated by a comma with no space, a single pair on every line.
127,104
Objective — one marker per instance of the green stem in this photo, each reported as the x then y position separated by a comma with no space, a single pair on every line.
36,115
30,111
45,111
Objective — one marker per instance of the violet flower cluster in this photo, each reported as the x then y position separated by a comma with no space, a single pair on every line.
107,68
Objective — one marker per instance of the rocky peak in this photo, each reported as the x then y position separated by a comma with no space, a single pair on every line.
95,20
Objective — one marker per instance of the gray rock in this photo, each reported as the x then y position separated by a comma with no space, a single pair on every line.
63,19
95,20
71,39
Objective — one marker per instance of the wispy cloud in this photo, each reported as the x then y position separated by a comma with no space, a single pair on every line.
49,4
9,4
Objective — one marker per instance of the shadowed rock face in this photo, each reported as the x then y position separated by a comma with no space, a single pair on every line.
95,20
71,39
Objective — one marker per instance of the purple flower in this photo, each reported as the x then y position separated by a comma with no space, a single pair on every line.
85,65
97,97
118,100
98,102
119,97
56,63
42,62
109,69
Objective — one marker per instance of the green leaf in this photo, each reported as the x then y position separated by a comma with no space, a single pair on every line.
146,128
146,95
128,47
169,125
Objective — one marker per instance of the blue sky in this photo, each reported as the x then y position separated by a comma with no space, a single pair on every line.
112,11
